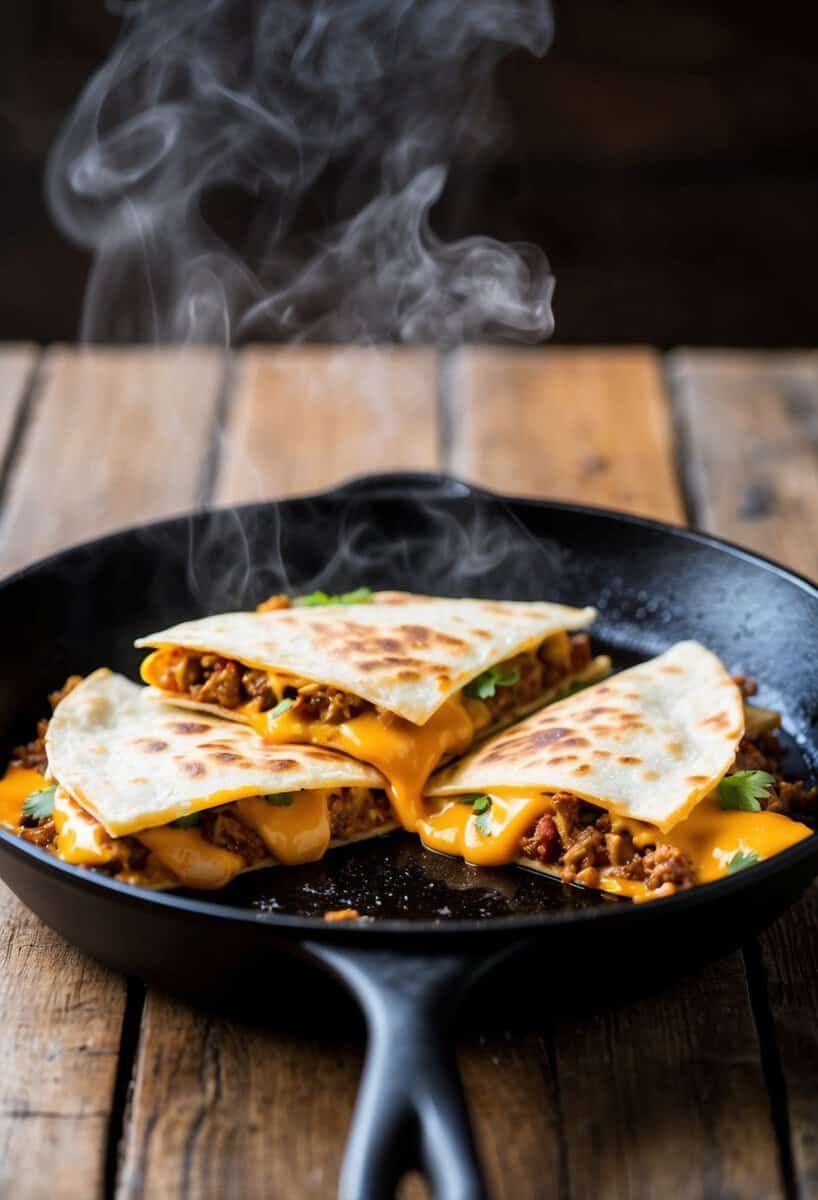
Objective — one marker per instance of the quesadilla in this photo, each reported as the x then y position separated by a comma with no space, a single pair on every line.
638,786
152,796
399,681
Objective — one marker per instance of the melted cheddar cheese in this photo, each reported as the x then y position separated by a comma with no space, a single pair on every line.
299,833
709,836
15,786
405,753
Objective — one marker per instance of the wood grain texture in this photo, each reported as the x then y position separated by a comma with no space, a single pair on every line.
750,422
103,439
303,419
750,427
234,1111
653,1096
59,1046
584,425
118,435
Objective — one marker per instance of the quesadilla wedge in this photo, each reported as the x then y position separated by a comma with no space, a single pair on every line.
399,681
641,786
146,794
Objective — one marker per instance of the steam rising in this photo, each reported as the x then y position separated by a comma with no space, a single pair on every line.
267,96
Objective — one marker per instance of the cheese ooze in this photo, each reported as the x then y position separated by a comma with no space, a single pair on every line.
298,832
405,753
709,836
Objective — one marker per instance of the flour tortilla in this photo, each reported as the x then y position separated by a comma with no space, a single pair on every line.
648,743
404,653
135,764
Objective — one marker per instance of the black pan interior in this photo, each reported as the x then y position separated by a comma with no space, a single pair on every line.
652,586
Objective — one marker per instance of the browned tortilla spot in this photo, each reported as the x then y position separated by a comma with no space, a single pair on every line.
629,759
582,769
718,720
576,741
194,769
150,745
670,669
675,748
697,779
188,727
481,633
650,776
408,676
561,758
226,756
601,753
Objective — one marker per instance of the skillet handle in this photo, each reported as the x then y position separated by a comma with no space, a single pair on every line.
410,1104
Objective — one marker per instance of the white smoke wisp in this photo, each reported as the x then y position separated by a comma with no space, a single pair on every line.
266,96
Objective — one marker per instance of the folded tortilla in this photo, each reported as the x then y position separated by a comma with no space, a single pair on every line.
382,681
646,748
206,798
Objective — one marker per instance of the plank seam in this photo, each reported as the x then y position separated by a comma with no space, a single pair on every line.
119,1119
211,467
446,393
690,489
29,395
771,1064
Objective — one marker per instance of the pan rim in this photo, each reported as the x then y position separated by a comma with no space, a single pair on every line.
399,484
501,927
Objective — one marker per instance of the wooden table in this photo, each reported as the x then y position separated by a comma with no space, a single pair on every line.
709,1088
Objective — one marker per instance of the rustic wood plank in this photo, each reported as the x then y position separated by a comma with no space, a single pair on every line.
120,436
303,419
653,1095
234,1111
102,437
583,425
750,422
218,1109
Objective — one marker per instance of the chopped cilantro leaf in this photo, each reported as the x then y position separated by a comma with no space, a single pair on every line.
361,595
483,819
741,860
186,822
485,685
280,799
40,804
280,708
481,804
744,789
472,798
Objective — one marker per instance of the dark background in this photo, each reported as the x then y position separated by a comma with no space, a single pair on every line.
664,154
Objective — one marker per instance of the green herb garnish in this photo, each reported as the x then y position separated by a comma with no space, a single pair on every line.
741,860
481,807
485,685
361,595
280,708
483,819
186,822
40,804
744,789
280,799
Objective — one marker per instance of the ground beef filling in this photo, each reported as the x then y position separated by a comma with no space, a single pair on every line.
353,811
213,679
578,837
32,754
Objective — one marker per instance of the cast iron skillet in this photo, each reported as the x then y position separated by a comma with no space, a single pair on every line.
439,924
